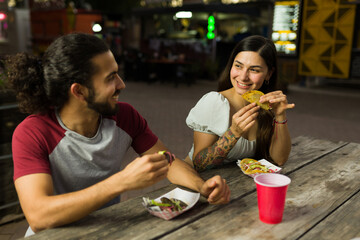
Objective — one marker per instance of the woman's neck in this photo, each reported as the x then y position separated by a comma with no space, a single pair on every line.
236,100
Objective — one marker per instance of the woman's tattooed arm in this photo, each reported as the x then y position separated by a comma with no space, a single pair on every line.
215,154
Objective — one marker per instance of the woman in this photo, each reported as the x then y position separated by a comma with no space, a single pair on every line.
226,127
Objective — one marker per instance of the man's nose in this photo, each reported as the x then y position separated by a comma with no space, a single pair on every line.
120,83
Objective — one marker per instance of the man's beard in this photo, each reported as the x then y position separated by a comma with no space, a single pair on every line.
103,108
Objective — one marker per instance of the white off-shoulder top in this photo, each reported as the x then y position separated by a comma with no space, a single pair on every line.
211,114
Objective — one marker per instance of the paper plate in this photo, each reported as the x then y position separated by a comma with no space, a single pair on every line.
190,198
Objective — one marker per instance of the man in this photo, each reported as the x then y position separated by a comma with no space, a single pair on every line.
67,153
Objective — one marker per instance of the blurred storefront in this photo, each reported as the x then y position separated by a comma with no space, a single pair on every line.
178,31
314,38
286,37
53,18
14,28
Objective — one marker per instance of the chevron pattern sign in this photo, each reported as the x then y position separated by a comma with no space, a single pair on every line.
326,38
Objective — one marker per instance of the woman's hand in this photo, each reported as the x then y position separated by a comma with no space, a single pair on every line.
244,119
278,102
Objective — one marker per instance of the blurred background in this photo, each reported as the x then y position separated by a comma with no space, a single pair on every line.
171,52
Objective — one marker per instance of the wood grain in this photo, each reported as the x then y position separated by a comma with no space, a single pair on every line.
343,223
324,174
315,192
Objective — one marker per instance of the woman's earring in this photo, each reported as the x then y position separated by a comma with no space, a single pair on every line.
267,82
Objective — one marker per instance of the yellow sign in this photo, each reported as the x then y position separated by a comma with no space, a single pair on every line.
326,38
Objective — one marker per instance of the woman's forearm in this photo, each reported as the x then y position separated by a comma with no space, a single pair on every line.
215,154
280,144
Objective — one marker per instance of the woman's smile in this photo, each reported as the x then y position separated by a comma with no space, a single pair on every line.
243,85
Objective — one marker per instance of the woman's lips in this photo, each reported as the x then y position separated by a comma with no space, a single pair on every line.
242,85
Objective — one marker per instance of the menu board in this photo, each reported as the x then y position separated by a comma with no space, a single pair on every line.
285,26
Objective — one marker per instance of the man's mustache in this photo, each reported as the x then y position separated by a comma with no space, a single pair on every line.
117,92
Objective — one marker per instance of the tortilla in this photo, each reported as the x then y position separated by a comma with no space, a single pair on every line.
251,166
254,96
169,156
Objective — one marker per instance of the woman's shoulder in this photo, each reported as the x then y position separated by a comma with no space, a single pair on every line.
210,114
212,98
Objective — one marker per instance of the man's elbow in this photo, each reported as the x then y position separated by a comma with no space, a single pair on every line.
38,224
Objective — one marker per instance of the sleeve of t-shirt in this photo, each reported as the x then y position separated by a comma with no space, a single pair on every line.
136,126
210,114
29,153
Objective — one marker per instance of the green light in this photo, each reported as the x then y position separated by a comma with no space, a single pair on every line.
211,20
210,35
211,27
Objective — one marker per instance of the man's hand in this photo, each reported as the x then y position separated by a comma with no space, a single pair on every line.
216,190
145,171
181,173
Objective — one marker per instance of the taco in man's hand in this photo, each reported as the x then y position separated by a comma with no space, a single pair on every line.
169,156
251,166
254,96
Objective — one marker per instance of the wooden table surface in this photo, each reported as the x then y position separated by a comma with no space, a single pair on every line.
322,202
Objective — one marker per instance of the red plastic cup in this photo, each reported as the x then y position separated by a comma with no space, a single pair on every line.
271,194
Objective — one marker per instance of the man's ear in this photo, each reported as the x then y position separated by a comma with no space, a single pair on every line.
78,91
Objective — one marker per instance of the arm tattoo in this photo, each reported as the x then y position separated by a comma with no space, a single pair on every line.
215,154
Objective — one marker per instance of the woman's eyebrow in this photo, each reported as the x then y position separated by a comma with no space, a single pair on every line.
253,66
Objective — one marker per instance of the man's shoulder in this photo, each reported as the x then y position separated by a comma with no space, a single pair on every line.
36,123
123,106
129,119
125,116
39,119
125,111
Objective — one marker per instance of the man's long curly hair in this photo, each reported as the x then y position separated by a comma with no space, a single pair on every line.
43,83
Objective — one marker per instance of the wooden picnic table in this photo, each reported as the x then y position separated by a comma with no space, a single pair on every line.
323,202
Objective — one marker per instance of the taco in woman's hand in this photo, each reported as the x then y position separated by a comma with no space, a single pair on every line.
253,96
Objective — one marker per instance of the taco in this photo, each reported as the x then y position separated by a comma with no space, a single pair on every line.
169,156
246,162
254,96
251,166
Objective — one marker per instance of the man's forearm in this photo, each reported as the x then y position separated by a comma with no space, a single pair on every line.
214,189
49,211
181,173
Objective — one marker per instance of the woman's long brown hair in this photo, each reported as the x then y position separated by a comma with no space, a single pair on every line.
267,51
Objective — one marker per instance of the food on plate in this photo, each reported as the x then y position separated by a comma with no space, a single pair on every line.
181,201
166,204
251,166
169,156
254,96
